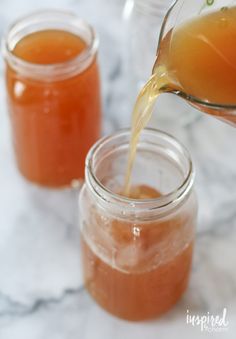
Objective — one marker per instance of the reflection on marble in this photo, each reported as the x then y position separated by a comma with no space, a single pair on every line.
41,290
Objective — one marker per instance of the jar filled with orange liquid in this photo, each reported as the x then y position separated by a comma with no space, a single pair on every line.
137,250
53,93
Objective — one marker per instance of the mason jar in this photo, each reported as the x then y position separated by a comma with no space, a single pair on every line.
137,253
53,94
143,21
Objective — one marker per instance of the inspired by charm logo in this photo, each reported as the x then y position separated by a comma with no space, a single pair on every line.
209,322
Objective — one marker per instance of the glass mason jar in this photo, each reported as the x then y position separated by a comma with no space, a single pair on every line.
54,106
137,254
143,21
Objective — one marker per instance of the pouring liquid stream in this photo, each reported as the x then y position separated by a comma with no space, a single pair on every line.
142,113
198,60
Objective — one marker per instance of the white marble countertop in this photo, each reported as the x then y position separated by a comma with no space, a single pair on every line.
41,290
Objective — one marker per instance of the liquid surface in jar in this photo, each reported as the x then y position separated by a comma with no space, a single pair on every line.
49,47
132,286
198,58
54,121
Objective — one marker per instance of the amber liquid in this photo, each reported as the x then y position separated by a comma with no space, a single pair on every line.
54,122
200,57
139,287
197,58
141,115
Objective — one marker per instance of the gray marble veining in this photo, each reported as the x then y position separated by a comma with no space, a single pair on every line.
41,290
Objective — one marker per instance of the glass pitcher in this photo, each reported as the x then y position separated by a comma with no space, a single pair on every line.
180,13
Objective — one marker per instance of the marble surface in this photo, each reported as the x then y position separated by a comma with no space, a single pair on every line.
41,289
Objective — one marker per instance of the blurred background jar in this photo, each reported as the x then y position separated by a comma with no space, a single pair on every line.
143,20
53,92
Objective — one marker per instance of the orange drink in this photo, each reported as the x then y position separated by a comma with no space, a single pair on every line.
54,96
137,249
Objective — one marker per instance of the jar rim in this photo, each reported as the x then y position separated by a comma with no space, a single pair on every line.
58,70
154,204
153,8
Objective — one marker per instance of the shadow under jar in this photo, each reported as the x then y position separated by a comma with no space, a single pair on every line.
137,252
53,92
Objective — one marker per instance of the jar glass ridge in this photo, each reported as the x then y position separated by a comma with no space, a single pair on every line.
156,205
43,20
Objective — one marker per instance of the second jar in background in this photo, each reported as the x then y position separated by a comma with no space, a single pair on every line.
53,94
